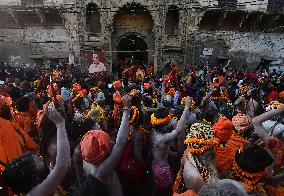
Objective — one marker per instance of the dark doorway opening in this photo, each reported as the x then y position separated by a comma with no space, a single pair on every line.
132,47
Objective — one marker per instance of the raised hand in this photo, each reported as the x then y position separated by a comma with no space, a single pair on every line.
54,115
187,102
126,101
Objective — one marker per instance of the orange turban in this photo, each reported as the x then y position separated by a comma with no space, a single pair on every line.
76,88
134,92
171,92
241,122
147,86
281,94
95,146
223,129
117,85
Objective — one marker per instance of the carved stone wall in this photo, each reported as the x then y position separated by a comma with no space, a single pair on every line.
182,48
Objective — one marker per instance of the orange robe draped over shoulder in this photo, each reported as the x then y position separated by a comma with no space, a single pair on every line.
10,147
14,141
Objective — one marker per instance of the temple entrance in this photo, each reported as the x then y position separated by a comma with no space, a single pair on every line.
133,48
132,37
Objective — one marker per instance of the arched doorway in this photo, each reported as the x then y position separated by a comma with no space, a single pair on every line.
132,36
132,47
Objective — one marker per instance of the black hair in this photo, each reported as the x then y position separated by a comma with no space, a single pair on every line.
23,104
21,175
90,186
136,101
168,103
6,112
79,129
78,103
147,101
178,112
48,131
208,115
162,113
40,101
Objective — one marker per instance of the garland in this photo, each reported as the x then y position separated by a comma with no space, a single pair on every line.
135,113
274,191
77,97
249,179
244,88
100,109
207,144
161,121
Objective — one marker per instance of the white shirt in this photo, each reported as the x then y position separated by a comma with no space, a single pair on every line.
95,68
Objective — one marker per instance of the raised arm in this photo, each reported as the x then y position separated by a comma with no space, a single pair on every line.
257,122
63,160
208,95
110,163
181,123
267,115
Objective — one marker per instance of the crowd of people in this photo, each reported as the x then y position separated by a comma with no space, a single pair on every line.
204,130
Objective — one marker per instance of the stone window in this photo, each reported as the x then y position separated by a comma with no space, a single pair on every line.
31,2
172,21
275,6
93,18
229,4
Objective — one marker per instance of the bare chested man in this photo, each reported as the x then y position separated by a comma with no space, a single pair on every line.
166,129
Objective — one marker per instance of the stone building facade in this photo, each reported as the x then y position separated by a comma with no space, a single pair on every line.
185,32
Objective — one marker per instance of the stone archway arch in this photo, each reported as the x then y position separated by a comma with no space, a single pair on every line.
126,23
97,2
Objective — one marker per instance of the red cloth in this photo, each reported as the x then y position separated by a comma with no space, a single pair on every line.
281,94
272,96
147,86
223,129
76,88
127,164
117,85
95,146
162,176
172,76
276,146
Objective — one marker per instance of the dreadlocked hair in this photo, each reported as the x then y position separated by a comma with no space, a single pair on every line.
160,114
48,131
79,102
22,104
21,175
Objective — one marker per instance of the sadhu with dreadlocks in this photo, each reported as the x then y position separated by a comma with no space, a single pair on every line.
165,130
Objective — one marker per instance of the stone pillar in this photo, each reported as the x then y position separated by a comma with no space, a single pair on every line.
159,31
106,31
70,26
194,18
